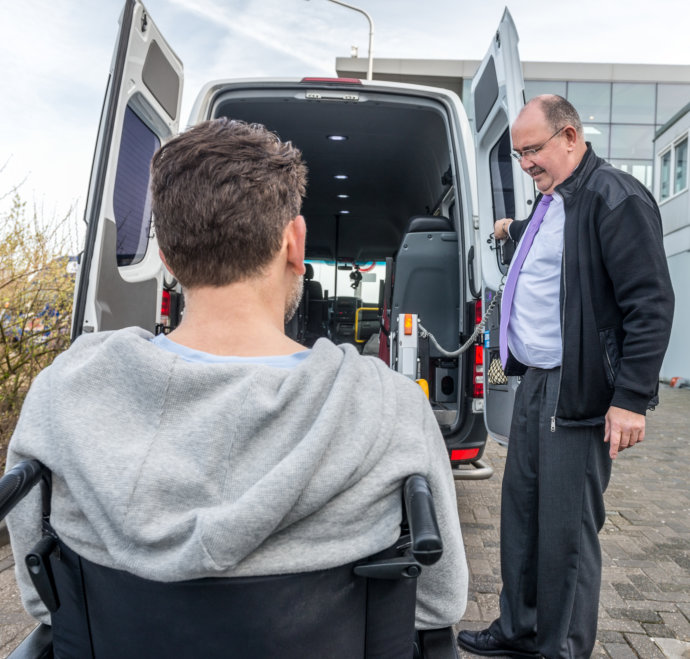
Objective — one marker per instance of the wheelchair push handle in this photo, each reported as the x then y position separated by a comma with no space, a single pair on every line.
427,545
17,483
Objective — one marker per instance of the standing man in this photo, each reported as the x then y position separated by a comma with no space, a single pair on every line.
585,320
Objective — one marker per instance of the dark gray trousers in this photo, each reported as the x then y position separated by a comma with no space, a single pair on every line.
552,509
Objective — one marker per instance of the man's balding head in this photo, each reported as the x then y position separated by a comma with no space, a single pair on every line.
548,134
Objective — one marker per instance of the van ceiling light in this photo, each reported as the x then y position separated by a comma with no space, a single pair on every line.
341,177
343,196
337,138
344,212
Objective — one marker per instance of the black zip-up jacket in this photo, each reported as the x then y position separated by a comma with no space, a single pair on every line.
616,297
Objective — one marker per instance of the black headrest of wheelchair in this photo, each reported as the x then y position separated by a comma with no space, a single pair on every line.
420,223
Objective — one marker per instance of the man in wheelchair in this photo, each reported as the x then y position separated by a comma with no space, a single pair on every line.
225,449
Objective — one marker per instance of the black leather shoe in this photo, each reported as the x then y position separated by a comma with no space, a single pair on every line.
484,644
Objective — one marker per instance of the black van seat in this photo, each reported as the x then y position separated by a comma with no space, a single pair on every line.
426,279
315,307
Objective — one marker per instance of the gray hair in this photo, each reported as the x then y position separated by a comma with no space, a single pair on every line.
559,112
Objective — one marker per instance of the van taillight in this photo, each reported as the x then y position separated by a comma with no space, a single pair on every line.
464,454
478,366
165,303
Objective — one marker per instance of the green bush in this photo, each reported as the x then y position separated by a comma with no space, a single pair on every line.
36,304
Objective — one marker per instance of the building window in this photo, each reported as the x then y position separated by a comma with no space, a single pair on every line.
665,176
640,169
598,135
633,103
538,87
681,166
634,142
673,169
592,100
671,98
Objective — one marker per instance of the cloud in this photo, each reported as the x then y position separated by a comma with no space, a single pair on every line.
251,24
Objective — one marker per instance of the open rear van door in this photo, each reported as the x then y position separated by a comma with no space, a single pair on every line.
120,274
503,191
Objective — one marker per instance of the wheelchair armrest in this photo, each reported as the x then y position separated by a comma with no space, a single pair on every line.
17,483
427,546
401,567
37,645
438,643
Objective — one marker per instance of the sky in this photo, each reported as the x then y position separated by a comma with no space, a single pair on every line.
55,58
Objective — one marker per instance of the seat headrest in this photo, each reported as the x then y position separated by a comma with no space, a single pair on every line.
419,223
309,273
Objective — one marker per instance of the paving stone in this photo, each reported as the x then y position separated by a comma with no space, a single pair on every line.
609,598
472,612
598,652
643,583
488,606
619,650
627,591
644,646
607,636
606,623
678,623
480,567
658,631
673,648
640,615
657,605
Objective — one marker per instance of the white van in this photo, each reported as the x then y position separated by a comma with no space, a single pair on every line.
402,191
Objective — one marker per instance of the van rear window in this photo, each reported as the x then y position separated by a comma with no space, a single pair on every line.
131,197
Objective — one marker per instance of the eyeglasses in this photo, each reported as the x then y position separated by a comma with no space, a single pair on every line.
530,153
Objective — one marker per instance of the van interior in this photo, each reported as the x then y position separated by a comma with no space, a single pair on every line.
381,225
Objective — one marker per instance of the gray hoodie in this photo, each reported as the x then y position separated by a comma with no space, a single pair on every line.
175,470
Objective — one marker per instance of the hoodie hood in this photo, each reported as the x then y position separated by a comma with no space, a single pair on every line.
203,462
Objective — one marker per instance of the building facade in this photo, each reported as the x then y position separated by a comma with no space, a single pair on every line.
621,105
671,190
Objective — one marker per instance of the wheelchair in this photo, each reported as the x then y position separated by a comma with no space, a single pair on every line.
361,610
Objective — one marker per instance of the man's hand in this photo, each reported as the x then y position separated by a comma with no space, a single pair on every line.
501,228
623,429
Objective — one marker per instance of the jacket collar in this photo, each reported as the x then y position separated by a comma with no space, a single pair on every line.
590,161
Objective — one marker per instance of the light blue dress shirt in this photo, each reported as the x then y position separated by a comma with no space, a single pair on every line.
534,331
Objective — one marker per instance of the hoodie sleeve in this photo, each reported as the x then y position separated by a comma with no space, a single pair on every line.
442,587
24,522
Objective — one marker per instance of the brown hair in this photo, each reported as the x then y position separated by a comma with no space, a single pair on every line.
222,194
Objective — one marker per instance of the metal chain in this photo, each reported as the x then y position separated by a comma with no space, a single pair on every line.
478,330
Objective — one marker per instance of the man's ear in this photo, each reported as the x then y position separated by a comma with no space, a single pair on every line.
165,263
296,237
571,135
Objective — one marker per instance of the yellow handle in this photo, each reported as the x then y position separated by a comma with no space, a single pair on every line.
425,387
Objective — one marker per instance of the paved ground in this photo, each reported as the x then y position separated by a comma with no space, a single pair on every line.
645,599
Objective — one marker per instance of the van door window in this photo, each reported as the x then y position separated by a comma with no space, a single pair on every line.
502,188
131,198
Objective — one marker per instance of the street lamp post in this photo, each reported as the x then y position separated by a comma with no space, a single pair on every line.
370,67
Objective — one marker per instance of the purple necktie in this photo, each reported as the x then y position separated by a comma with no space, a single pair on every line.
511,281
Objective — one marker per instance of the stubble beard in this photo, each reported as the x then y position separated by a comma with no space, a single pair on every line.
294,298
